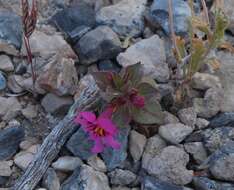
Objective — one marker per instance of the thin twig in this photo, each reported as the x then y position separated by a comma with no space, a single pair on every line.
205,11
171,24
29,20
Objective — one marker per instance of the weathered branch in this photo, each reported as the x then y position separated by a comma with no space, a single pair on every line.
56,139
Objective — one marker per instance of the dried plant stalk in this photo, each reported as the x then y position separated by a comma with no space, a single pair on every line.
29,20
171,24
205,11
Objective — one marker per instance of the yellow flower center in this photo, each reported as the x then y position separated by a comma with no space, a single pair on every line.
100,131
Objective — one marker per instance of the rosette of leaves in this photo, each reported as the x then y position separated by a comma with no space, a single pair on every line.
194,54
131,96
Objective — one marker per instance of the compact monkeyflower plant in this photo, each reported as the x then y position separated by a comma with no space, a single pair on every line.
128,96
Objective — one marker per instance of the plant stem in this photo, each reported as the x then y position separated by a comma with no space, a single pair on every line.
29,57
205,11
171,24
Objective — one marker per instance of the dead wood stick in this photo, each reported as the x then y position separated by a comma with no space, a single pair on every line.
56,139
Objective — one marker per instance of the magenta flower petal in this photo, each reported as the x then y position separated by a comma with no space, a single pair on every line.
138,101
110,141
81,121
89,116
98,146
107,125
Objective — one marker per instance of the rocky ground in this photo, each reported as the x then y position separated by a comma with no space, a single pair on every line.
193,149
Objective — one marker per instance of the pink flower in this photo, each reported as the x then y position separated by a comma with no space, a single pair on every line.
101,130
136,99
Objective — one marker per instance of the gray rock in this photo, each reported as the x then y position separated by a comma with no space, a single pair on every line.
30,111
197,150
137,143
11,32
100,43
51,180
170,166
5,168
121,188
188,116
10,139
203,183
2,81
25,84
204,81
49,44
181,11
97,163
67,163
228,9
80,145
86,178
125,17
108,65
113,157
74,19
151,183
223,119
213,139
59,77
6,63
202,123
154,145
223,169
121,177
170,118
10,108
23,159
56,105
221,162
3,181
13,85
29,142
175,133
151,53
210,105
34,148
226,74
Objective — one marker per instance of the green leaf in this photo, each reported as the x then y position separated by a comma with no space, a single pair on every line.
118,81
197,56
150,114
133,73
121,117
110,94
102,79
201,25
181,46
221,24
147,90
